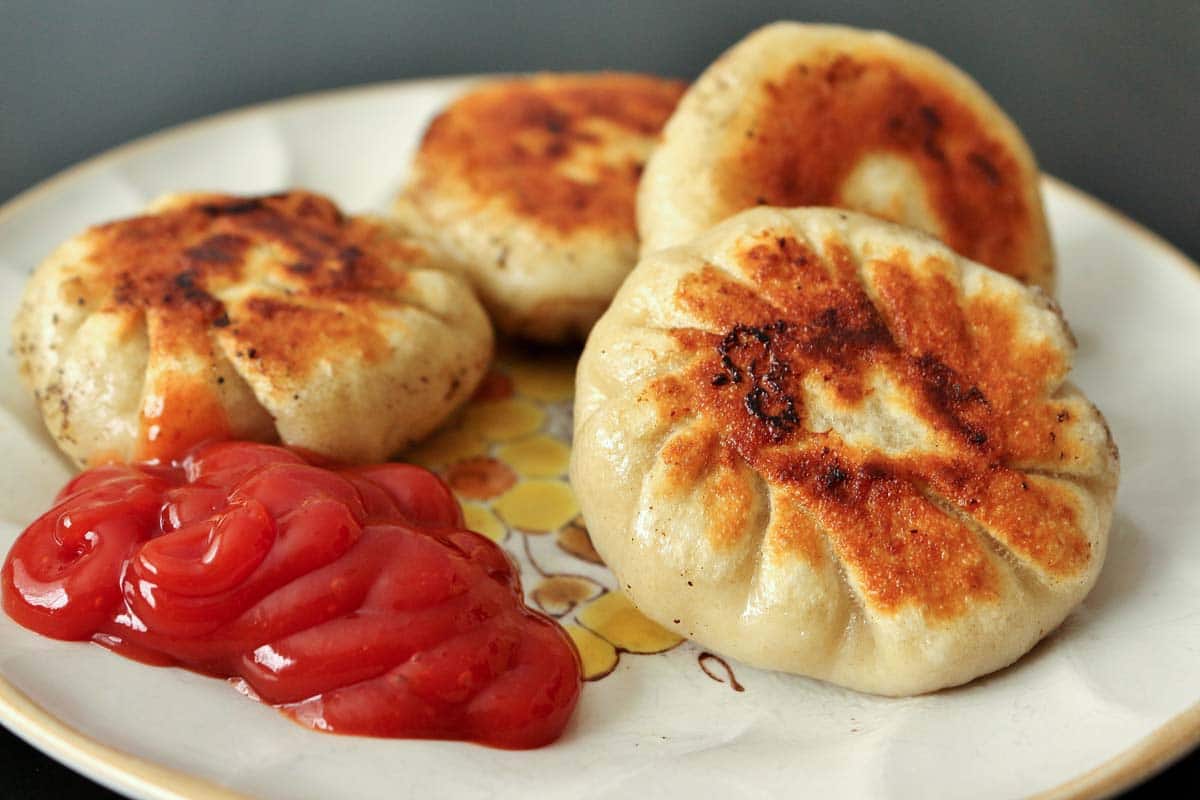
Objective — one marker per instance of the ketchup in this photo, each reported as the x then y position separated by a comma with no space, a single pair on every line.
352,599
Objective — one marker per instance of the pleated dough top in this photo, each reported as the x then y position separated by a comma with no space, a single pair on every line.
277,317
823,443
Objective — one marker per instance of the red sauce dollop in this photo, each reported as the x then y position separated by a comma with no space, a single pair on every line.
350,598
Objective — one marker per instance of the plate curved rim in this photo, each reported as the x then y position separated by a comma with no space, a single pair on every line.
124,772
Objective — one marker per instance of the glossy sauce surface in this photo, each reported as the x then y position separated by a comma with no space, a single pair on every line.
352,599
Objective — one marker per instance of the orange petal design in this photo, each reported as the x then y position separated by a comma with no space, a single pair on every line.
480,478
616,620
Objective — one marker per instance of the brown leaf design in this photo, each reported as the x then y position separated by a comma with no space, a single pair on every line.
480,478
559,595
574,539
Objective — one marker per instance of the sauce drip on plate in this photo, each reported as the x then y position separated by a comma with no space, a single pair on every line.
350,598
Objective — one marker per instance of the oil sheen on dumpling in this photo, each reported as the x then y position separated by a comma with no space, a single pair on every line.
267,318
823,443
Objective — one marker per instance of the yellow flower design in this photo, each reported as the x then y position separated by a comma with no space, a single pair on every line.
537,506
506,457
539,456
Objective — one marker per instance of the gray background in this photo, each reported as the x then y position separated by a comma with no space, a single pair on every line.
1108,94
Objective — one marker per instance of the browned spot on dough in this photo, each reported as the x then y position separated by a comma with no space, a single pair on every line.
696,461
316,281
291,333
689,455
814,124
966,374
792,530
510,139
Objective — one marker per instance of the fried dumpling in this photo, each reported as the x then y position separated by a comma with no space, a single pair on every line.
529,184
823,115
264,318
823,443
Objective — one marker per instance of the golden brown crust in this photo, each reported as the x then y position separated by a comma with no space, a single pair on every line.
697,459
175,258
896,521
815,123
171,265
527,141
802,115
214,316
816,441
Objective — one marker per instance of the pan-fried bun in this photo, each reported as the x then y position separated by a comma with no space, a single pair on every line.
823,443
822,115
263,318
530,185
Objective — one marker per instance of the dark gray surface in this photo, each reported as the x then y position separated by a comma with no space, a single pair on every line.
1107,93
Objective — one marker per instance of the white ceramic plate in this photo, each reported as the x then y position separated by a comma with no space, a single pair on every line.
1104,701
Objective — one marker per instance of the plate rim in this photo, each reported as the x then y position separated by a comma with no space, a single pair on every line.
123,772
